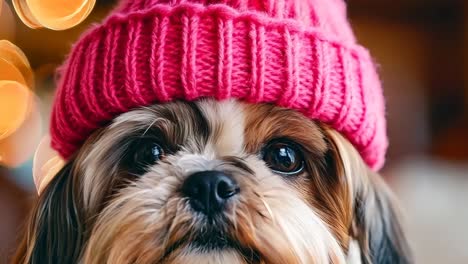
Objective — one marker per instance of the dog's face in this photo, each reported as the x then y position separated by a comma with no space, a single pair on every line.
215,182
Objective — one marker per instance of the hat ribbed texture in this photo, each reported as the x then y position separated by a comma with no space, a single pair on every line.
299,54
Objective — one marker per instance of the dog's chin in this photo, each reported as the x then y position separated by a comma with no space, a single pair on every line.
212,250
211,242
195,255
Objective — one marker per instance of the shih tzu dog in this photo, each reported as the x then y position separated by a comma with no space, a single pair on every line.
216,131
215,182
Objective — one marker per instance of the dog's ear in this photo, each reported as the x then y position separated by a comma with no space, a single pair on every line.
54,232
376,224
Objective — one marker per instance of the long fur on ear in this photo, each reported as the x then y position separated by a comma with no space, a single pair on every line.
378,225
54,232
376,222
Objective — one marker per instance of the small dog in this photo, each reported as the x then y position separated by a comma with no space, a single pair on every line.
215,182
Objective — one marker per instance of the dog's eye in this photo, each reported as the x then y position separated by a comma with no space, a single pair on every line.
149,153
143,153
284,157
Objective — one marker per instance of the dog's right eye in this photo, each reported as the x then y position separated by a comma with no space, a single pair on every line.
143,153
149,153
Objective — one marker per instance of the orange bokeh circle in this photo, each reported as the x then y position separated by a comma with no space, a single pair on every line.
46,164
20,123
9,72
24,13
53,14
14,56
15,104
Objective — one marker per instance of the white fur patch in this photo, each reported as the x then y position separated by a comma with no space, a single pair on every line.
226,120
195,256
354,253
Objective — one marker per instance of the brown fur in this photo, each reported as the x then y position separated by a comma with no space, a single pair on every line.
325,185
96,210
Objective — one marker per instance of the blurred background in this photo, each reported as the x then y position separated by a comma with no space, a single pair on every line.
421,47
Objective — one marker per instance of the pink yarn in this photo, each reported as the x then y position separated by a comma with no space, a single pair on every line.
299,54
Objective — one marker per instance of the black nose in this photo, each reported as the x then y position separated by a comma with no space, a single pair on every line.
209,190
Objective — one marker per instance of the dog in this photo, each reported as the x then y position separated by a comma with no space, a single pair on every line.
215,182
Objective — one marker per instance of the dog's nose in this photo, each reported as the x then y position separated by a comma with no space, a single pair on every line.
209,190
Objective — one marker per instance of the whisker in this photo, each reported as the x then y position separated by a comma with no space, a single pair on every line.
267,207
149,126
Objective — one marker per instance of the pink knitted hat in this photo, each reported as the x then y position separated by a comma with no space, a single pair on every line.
299,54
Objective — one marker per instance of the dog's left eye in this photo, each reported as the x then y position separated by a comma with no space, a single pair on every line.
284,157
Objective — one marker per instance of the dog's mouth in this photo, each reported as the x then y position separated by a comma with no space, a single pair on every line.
213,239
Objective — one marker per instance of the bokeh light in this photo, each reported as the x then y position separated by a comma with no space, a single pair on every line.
16,58
9,72
20,119
7,22
20,144
53,14
23,12
46,164
15,105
